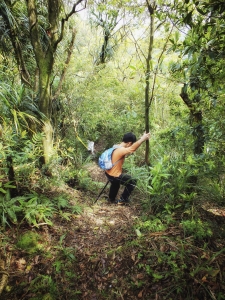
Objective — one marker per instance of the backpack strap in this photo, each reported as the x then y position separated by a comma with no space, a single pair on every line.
116,147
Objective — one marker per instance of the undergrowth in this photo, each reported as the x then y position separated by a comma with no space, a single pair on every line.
170,253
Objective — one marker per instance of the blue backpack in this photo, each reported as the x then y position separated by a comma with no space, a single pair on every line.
105,159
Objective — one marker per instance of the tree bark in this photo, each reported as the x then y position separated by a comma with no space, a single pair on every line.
198,132
195,121
45,59
44,55
151,9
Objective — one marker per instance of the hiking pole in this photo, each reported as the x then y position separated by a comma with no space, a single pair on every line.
102,191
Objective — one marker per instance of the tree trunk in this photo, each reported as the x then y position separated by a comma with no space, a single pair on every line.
45,103
198,132
11,176
151,9
44,55
195,121
44,46
103,53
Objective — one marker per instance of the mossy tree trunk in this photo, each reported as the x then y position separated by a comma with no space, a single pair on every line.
195,120
44,44
198,132
44,55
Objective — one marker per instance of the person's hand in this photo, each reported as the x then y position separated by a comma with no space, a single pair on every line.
145,136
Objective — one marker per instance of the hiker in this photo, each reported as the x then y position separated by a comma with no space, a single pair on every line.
115,176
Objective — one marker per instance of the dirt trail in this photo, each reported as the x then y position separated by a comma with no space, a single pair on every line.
98,255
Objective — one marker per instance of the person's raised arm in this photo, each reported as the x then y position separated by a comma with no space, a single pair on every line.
138,143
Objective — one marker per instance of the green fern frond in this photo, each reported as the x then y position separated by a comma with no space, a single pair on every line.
62,202
38,138
4,220
76,209
30,218
65,215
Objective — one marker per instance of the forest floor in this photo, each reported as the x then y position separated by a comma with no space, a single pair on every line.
105,253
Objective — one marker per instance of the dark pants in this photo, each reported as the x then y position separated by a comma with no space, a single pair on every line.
125,180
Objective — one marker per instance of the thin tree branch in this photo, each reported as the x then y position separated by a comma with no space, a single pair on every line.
73,11
69,54
157,68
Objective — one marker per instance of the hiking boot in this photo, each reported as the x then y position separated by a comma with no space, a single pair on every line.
123,202
111,201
